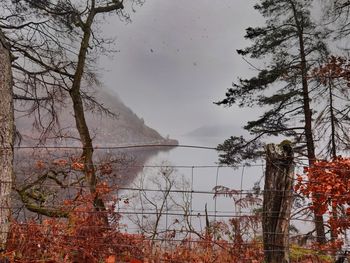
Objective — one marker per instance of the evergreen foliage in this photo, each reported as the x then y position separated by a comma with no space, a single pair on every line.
293,44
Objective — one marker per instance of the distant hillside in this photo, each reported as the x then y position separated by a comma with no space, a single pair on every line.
218,131
126,128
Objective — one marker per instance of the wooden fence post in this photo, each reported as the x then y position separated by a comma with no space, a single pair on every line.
277,204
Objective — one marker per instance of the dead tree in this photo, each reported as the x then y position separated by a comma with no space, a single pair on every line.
277,202
6,139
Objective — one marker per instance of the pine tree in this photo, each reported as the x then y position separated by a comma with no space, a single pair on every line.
293,44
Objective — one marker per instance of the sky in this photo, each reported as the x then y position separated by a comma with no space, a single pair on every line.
176,58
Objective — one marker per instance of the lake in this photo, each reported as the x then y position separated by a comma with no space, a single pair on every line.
195,173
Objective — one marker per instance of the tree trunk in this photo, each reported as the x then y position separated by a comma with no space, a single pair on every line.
319,222
6,139
80,120
277,202
333,120
75,94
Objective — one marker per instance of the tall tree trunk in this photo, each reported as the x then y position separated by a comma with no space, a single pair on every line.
78,108
75,93
333,120
277,204
6,139
319,222
79,115
334,234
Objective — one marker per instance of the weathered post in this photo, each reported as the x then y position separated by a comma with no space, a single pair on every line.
277,202
6,139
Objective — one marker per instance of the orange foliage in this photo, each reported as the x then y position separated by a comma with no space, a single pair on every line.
60,162
78,166
82,237
327,183
335,68
40,164
215,251
85,237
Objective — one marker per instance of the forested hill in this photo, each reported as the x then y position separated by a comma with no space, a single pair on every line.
123,129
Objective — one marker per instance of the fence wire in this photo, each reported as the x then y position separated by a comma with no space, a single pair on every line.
169,204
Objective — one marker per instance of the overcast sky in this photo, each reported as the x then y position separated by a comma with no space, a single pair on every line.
176,58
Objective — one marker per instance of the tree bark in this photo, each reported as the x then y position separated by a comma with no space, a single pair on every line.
78,106
6,139
277,203
80,120
318,219
333,120
319,222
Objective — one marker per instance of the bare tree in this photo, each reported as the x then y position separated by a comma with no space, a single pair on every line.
157,197
50,45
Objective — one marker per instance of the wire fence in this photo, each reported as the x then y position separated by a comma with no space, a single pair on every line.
166,204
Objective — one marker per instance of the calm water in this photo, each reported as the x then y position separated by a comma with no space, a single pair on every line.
196,171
